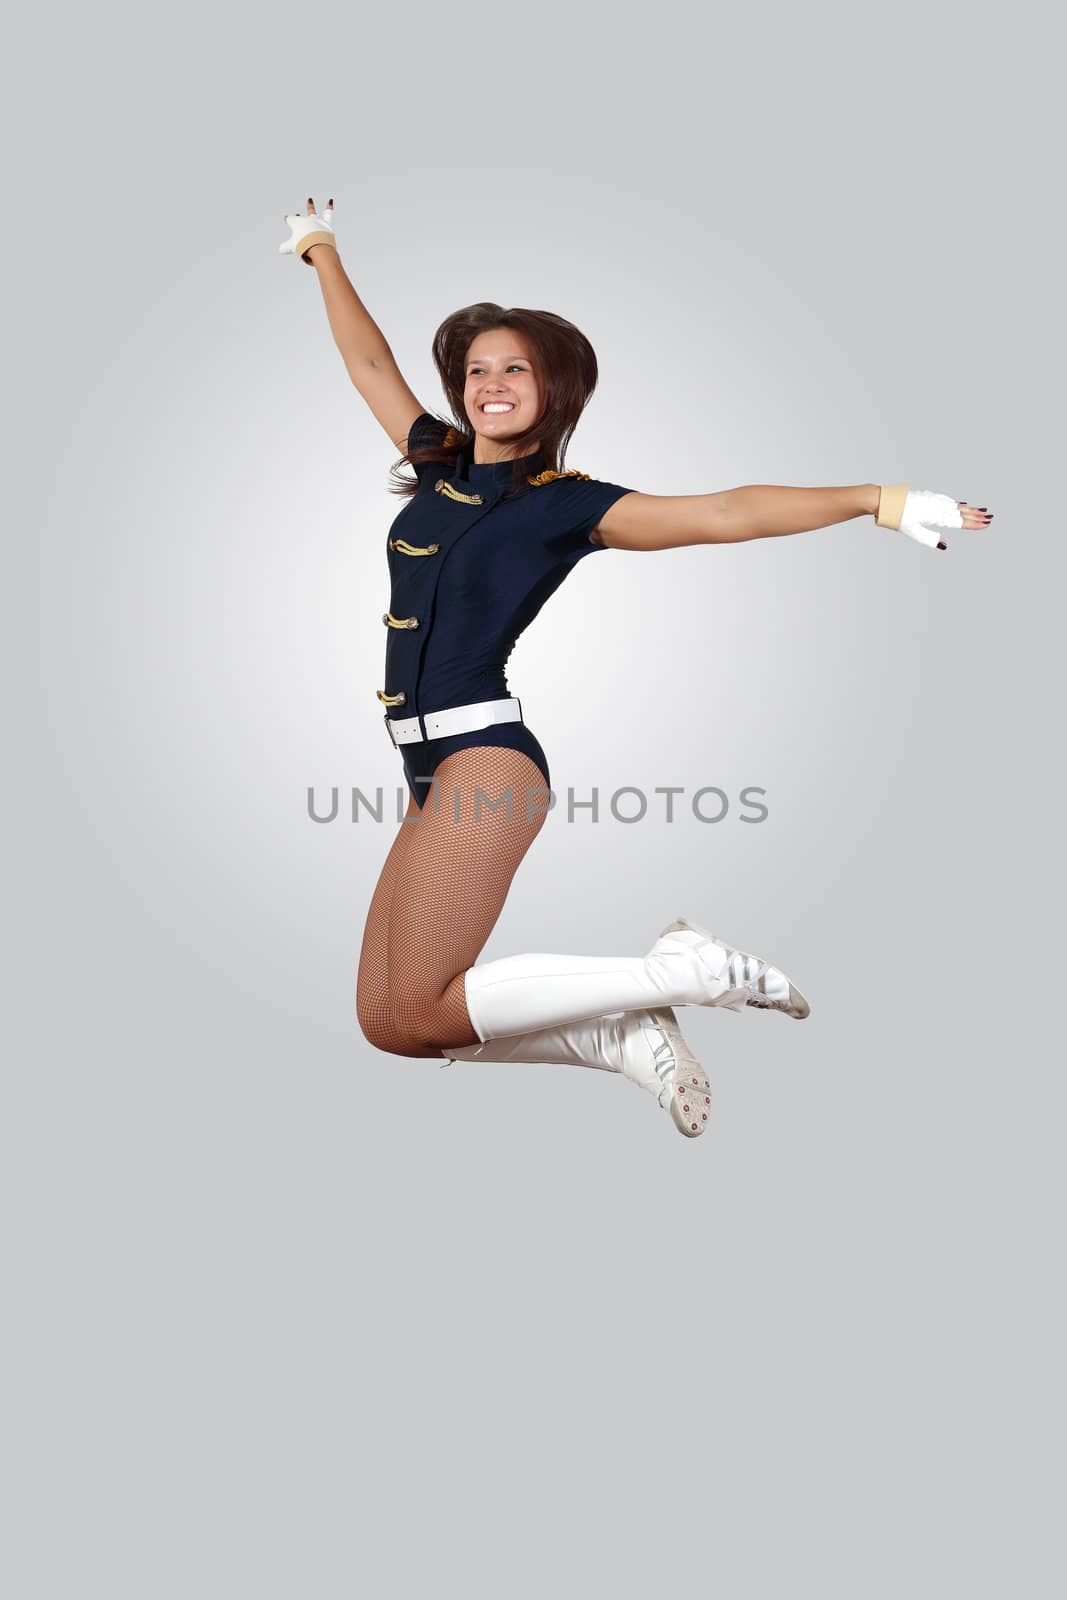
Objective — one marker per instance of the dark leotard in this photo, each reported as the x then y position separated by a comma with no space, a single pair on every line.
471,564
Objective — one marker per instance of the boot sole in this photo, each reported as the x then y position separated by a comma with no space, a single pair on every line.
690,1098
798,1001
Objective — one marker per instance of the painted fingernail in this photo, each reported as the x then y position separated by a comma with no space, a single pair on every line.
942,547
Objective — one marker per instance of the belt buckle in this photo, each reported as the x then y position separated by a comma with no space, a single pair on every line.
389,726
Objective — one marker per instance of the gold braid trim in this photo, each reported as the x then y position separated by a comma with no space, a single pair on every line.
407,549
442,486
548,475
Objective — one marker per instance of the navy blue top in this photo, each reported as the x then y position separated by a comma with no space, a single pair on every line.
473,574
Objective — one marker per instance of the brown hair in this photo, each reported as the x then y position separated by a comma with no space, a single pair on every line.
566,367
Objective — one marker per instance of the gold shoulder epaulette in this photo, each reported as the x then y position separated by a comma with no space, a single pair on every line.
548,475
450,438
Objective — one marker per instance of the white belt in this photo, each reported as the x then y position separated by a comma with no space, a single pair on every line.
455,719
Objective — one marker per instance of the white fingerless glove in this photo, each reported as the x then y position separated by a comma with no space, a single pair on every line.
919,513
308,230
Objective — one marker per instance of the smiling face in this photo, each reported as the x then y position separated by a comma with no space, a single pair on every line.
500,374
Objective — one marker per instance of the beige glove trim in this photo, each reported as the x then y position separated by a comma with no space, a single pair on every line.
319,237
891,498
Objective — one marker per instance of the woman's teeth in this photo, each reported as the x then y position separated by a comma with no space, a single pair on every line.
494,407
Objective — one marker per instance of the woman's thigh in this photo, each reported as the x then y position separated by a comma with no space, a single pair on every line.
453,878
373,1006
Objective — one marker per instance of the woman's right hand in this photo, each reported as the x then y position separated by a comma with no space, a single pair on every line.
307,231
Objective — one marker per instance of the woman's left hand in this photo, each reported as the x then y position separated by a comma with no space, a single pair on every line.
927,517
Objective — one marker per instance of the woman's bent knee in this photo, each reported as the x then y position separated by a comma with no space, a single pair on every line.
394,1038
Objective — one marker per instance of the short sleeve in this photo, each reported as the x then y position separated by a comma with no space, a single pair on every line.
568,509
425,430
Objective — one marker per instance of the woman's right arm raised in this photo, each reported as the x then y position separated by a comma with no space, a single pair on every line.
366,354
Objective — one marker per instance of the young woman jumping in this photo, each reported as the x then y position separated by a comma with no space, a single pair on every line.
493,525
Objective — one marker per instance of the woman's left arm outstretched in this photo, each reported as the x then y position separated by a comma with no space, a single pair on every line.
764,510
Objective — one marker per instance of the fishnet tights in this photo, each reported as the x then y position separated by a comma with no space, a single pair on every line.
439,896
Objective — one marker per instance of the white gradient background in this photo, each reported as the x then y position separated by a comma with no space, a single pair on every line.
261,1337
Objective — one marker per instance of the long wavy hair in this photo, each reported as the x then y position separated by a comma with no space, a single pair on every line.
566,368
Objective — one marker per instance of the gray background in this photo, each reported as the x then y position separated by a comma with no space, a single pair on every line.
266,1334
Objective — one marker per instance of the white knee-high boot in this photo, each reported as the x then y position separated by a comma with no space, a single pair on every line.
592,1042
686,966
645,1046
